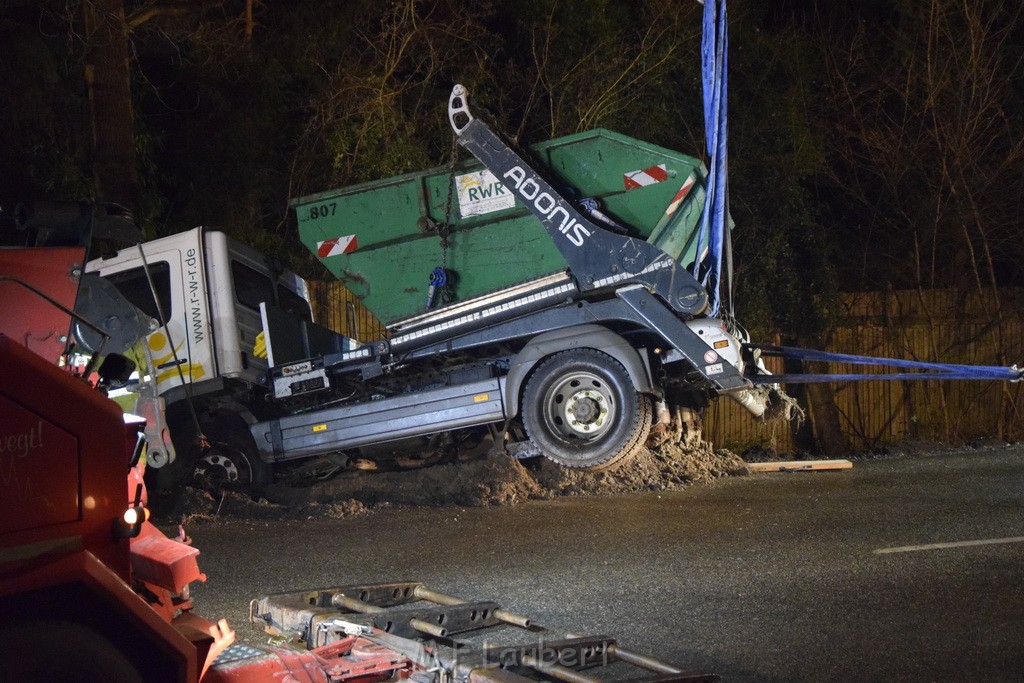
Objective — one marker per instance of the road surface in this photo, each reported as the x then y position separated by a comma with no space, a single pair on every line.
899,569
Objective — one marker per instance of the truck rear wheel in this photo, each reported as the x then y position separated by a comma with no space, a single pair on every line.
581,410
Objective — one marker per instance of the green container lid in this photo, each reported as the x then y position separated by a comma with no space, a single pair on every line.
380,238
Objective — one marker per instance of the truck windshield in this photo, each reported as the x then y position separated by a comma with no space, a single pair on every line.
135,287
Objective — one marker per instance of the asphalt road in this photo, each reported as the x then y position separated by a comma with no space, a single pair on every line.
772,577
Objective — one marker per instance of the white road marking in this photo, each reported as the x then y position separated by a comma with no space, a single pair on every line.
955,544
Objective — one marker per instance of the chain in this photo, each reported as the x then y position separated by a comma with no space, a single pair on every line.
442,281
445,229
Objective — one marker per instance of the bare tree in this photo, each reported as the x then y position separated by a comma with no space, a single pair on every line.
108,78
378,112
108,74
586,88
928,156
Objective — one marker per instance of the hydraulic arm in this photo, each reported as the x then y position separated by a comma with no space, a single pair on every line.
598,258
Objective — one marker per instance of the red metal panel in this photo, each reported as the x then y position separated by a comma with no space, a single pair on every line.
38,470
94,423
164,562
25,316
356,660
94,576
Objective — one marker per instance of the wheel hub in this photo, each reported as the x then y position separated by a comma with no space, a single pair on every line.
218,467
585,411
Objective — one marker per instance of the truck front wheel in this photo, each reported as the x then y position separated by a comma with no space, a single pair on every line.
581,410
232,461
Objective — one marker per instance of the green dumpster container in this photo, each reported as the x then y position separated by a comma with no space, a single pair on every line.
381,239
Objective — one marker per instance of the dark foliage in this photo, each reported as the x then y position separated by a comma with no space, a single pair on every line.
872,144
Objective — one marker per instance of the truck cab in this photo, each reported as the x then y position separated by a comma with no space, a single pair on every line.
208,290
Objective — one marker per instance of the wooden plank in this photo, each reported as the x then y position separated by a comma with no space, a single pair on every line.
799,465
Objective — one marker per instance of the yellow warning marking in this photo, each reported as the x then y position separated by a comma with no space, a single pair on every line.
320,428
155,348
480,398
192,371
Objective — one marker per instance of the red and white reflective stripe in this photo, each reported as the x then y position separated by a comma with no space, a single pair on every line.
646,176
681,195
336,246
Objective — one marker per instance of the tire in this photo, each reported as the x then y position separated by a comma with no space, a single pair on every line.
581,411
232,461
53,650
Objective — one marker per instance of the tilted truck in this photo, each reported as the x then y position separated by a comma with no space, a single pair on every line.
544,302
564,320
567,341
91,590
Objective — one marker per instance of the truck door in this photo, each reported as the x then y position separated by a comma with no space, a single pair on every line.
184,344
252,287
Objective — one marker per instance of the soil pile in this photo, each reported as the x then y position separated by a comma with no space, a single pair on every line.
495,480
492,480
666,467
196,505
199,505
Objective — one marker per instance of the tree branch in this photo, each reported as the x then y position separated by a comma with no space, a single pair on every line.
168,9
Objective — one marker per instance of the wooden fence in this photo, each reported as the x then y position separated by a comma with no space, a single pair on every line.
933,325
338,309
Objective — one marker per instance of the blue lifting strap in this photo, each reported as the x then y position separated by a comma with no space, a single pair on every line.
714,220
943,371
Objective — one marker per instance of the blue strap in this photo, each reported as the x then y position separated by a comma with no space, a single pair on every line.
865,377
714,62
943,371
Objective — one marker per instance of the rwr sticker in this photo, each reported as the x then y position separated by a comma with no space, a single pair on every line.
481,193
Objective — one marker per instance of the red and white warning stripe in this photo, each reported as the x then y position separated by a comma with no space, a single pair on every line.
336,246
646,176
681,195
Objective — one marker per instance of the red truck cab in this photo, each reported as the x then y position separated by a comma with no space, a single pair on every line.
72,579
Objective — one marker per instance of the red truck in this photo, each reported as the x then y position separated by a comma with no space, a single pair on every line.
87,583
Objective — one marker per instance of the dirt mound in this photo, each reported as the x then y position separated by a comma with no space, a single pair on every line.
199,505
666,467
336,510
497,480
493,480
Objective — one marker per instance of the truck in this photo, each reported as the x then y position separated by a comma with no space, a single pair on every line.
575,356
92,590
80,565
571,317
